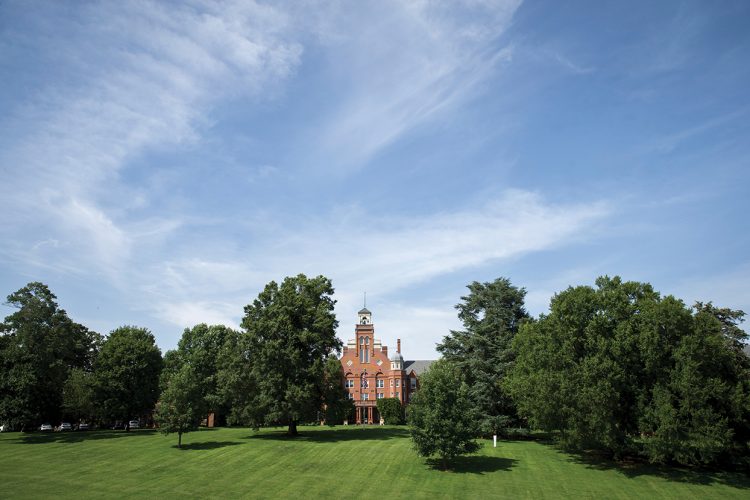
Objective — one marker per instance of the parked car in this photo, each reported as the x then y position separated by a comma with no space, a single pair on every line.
118,425
3,428
83,427
134,424
65,426
46,428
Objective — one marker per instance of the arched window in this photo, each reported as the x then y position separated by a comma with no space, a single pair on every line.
367,340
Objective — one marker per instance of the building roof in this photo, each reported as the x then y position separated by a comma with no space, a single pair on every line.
419,366
364,310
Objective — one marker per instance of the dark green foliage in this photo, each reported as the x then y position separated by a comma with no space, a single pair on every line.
290,331
182,404
443,420
701,410
39,346
204,348
127,373
491,314
336,403
621,369
391,410
236,383
78,396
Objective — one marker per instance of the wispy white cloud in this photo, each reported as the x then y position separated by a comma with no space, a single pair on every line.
409,62
150,77
669,142
380,255
152,73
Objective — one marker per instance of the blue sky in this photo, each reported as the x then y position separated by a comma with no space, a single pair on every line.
160,162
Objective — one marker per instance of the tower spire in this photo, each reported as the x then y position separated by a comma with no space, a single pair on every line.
365,306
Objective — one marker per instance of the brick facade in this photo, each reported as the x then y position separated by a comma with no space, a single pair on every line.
370,374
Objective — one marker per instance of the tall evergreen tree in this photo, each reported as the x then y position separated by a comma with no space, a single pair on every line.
491,314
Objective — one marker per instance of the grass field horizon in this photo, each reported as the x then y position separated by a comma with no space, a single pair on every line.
323,462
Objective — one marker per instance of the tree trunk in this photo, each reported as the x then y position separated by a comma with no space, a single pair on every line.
445,463
292,431
179,440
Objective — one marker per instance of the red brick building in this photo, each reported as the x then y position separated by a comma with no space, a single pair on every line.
371,374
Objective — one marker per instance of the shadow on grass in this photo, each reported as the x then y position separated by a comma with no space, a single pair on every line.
77,437
208,445
476,464
332,435
636,468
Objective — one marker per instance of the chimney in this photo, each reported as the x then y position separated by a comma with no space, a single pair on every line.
398,345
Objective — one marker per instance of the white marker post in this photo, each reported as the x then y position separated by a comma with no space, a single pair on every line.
494,440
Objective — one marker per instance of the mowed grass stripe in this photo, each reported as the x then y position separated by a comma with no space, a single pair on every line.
342,462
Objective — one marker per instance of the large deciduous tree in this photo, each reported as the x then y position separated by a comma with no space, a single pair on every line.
491,314
39,346
442,416
203,347
619,368
127,373
290,331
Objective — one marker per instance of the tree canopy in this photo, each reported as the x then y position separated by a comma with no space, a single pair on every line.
127,373
619,368
182,404
442,417
391,410
491,314
290,331
39,346
204,348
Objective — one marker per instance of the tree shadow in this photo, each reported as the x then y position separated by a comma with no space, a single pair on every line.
633,468
332,435
78,436
474,464
208,445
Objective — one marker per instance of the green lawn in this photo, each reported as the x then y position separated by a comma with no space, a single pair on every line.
321,463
